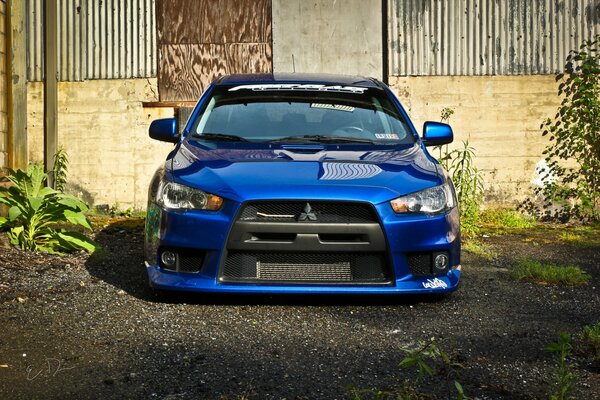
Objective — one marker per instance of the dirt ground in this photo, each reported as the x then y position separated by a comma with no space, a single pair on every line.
87,327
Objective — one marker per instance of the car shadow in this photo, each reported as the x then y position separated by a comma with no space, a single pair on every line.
119,261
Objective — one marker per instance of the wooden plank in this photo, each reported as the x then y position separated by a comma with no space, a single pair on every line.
179,21
245,58
237,21
3,92
267,23
167,104
186,70
17,86
201,40
50,87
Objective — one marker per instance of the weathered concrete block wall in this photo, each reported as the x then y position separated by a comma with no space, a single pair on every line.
328,36
104,129
499,115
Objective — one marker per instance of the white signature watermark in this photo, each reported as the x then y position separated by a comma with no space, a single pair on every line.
435,283
52,367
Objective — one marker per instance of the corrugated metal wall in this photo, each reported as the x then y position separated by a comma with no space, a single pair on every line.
487,37
97,39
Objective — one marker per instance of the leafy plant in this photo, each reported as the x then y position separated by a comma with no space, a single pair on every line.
468,184
446,113
36,213
61,163
406,392
468,181
535,271
573,155
424,357
591,337
564,377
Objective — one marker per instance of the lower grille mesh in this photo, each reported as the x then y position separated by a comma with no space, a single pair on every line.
419,264
306,267
304,272
190,263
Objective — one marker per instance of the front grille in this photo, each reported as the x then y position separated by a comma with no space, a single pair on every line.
301,267
325,212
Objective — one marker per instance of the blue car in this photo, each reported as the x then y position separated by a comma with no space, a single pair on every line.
301,183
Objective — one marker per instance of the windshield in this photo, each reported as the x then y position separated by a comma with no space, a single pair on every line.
309,115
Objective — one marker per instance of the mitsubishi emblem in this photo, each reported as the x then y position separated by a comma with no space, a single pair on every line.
307,214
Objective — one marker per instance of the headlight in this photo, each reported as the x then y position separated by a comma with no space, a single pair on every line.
180,197
430,201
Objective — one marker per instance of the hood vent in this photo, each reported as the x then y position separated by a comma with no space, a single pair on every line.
303,148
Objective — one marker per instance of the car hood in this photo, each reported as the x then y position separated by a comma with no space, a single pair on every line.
241,171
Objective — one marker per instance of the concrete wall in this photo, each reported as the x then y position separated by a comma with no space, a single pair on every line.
328,36
499,115
104,129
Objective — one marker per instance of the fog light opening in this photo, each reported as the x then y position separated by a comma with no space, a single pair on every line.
441,261
168,258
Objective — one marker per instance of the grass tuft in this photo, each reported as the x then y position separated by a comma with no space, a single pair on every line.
582,237
479,249
549,274
506,218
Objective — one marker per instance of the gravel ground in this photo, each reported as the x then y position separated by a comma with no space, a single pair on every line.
80,327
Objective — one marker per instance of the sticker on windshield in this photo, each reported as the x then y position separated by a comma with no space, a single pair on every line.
387,136
298,86
337,107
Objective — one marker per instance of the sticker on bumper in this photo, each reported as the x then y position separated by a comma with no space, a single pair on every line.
435,284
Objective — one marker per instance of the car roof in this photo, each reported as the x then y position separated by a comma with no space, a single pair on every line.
304,78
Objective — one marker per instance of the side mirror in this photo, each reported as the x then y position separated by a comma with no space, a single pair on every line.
437,133
164,129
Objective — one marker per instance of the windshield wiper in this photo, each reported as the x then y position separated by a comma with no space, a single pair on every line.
220,137
322,139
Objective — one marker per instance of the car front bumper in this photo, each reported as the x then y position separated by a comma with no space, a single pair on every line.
210,233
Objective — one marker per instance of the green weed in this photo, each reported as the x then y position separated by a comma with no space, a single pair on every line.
591,338
468,183
430,361
424,358
61,163
37,214
543,273
564,377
